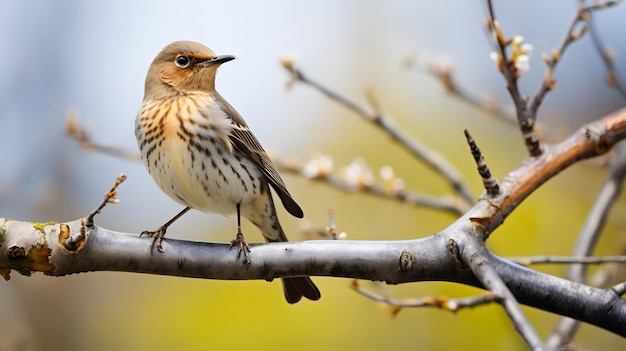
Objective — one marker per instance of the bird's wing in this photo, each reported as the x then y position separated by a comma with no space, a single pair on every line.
245,142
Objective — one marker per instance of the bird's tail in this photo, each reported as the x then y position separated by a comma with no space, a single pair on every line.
297,287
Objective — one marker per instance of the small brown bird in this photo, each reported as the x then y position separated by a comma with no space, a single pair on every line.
202,154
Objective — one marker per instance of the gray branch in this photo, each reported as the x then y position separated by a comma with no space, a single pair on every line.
27,247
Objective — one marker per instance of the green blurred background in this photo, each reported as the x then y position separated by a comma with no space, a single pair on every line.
91,57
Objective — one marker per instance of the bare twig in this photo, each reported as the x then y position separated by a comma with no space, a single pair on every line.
527,114
525,117
79,133
551,61
597,5
109,198
491,184
442,302
612,77
446,76
584,260
74,242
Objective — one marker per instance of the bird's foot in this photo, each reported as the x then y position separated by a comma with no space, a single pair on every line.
157,237
242,246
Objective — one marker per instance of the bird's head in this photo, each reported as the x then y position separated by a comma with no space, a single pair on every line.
183,67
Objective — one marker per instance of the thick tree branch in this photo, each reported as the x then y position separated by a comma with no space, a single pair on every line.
27,247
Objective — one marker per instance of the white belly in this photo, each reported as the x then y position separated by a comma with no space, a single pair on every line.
192,160
210,184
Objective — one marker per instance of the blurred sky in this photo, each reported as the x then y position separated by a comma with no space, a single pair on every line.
92,57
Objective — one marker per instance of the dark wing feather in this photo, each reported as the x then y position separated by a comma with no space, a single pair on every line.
245,142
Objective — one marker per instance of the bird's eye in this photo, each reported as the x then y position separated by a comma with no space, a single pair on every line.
182,61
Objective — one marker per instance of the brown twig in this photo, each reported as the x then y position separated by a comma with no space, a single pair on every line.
79,133
442,302
587,260
491,184
612,77
109,198
554,58
525,118
445,75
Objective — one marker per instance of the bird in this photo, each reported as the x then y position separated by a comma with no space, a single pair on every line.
200,152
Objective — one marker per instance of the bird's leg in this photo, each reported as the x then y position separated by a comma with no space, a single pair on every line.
239,240
159,234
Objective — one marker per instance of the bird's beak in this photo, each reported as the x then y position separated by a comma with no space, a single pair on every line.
218,60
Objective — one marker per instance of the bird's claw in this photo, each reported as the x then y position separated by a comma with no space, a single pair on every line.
242,247
157,238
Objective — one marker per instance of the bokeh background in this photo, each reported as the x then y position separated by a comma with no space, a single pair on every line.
91,58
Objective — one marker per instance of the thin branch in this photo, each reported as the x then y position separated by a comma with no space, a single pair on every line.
431,158
109,198
444,73
452,204
79,133
442,302
584,260
596,218
526,119
552,61
612,78
582,16
491,184
599,4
